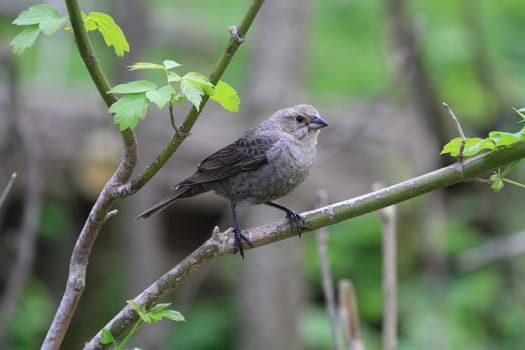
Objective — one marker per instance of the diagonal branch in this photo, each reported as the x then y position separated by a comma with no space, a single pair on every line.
236,39
222,243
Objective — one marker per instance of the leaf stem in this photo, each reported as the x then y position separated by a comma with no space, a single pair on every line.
512,182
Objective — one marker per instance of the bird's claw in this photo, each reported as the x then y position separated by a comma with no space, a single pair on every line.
295,219
237,244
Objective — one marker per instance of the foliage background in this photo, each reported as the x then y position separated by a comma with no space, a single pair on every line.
473,53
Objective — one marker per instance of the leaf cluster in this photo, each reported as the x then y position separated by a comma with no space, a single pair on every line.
139,94
43,18
154,315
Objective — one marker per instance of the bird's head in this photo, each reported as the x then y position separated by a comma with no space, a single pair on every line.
301,121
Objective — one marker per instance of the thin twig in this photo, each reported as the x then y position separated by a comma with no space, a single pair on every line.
350,315
190,119
326,275
460,131
222,243
388,230
7,188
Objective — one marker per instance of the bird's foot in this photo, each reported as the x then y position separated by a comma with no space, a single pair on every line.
237,244
295,219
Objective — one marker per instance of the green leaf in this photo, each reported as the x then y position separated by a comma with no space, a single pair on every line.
226,96
173,77
25,39
170,64
501,138
89,23
161,96
201,81
496,182
129,109
133,87
173,315
36,14
146,65
192,92
107,337
159,312
50,25
472,146
111,32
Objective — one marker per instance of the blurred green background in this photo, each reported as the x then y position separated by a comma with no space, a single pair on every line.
472,54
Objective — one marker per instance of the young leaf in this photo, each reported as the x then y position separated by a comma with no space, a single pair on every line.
226,96
496,183
172,315
501,138
192,92
107,337
475,145
89,23
133,87
201,81
145,65
111,32
25,39
50,25
170,64
129,109
35,14
173,77
472,146
161,96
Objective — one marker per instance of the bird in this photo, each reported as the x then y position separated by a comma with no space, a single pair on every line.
265,163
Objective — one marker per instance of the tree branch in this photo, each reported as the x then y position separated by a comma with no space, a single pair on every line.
222,243
117,187
174,143
7,188
326,275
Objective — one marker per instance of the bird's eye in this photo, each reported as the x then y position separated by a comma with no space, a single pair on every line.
299,118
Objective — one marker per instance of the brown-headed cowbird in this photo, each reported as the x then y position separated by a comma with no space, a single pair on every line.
265,163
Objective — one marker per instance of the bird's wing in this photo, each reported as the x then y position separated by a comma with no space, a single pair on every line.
245,154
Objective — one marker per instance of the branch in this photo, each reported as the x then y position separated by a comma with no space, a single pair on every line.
388,233
7,188
236,39
78,265
222,243
117,186
326,275
350,315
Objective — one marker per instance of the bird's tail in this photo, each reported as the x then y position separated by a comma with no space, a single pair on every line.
164,202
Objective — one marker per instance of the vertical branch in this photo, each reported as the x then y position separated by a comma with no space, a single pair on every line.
7,188
350,316
388,229
326,276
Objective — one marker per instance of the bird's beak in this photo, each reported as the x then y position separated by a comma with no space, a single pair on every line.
317,123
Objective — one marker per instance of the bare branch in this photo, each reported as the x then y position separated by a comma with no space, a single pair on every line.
326,276
7,188
459,128
388,232
350,315
222,243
